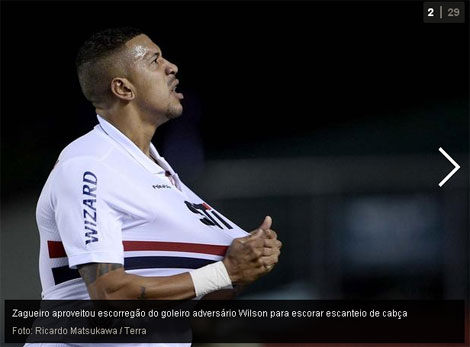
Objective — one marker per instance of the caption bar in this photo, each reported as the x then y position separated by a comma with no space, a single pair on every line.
237,321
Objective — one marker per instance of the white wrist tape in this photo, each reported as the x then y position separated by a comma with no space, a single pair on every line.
210,278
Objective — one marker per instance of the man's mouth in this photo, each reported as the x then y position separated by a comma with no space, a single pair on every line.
173,89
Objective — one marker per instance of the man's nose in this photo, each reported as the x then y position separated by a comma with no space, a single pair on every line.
171,68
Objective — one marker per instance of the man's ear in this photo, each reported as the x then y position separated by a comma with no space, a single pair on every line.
122,88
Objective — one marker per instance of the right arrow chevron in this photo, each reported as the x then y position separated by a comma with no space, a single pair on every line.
456,167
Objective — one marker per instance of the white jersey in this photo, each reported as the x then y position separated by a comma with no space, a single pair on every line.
105,201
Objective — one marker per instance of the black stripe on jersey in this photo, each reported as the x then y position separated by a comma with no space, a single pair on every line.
64,273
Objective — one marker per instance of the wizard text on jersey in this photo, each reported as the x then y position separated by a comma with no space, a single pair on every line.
90,184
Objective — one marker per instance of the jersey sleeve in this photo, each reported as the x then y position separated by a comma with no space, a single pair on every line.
84,201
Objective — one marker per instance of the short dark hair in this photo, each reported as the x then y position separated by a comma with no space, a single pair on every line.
93,72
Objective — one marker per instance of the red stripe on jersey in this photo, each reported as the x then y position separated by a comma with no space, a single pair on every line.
56,249
174,246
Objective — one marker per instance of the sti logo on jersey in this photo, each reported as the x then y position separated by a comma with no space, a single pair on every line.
90,183
206,211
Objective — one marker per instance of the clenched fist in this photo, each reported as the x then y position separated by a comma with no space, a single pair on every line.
254,255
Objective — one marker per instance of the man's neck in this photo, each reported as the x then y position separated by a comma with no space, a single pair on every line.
136,127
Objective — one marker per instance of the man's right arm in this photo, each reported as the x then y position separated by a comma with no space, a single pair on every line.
110,282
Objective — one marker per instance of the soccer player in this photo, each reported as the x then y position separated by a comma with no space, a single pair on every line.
115,220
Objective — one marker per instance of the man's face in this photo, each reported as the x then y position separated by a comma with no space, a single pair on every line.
154,79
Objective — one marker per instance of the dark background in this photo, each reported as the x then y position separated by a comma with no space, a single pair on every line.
327,116
271,79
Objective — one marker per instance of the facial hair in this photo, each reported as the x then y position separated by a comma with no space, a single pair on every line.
174,110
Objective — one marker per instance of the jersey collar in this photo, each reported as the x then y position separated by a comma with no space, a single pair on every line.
135,151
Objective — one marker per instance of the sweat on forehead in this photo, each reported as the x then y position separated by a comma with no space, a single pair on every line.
140,51
141,47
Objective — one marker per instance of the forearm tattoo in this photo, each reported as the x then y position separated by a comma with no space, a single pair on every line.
90,272
142,294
